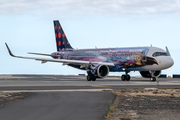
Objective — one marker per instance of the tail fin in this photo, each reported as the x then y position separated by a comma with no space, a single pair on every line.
61,40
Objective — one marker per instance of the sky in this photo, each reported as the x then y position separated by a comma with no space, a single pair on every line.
27,26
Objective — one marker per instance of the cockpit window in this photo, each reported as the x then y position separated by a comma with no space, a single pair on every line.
160,54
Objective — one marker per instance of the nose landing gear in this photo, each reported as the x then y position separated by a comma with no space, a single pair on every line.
153,79
153,76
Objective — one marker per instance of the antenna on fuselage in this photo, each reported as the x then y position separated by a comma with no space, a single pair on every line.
151,45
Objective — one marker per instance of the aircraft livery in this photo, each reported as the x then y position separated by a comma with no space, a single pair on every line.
149,61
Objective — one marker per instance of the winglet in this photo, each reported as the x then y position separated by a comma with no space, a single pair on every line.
9,51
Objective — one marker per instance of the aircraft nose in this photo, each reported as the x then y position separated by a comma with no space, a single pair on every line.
165,62
170,62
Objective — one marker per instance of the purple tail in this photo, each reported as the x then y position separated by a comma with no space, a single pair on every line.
61,40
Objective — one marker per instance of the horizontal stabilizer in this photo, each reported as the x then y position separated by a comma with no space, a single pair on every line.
43,54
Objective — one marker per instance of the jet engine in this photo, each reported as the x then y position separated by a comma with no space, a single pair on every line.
98,71
148,74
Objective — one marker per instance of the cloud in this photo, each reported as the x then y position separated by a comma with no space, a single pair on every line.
88,7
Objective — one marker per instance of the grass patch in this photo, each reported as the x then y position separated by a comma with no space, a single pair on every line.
10,102
14,101
110,110
112,107
141,89
144,97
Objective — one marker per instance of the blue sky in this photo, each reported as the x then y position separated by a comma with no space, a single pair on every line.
27,26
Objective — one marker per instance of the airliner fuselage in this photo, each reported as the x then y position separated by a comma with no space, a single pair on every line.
125,59
149,61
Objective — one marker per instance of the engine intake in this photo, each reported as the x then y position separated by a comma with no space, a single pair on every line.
98,71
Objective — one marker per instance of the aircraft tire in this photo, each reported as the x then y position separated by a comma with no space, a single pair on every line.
123,77
128,77
154,79
93,79
89,78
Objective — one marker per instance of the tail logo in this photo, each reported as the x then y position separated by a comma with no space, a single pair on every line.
61,40
63,35
59,35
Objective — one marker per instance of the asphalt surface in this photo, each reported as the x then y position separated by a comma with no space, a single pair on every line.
42,82
59,106
56,97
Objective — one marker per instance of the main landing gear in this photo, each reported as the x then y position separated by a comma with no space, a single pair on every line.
90,78
126,77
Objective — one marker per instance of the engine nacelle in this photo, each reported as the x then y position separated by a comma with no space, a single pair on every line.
147,74
98,71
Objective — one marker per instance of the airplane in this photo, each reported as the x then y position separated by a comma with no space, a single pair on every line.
98,62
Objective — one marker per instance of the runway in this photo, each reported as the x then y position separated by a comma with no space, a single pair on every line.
45,82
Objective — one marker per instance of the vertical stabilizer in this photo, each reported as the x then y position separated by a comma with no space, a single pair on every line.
61,40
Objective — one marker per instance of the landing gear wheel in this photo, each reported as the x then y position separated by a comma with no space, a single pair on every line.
123,77
128,77
89,78
153,79
93,79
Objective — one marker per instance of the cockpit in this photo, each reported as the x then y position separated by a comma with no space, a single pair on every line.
156,54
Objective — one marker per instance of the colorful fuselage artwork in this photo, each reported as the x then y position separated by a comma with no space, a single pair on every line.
130,58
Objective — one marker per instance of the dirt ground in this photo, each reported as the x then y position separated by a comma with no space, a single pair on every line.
7,98
146,104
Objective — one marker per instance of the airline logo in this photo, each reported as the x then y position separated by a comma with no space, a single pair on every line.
61,40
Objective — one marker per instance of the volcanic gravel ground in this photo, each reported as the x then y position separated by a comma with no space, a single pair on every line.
146,107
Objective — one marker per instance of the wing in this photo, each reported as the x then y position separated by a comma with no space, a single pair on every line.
43,54
64,61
